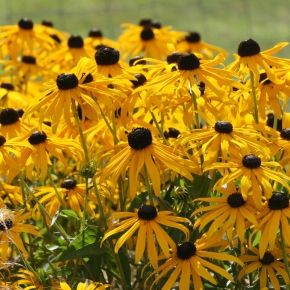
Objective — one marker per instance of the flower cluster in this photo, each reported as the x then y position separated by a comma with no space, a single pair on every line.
146,162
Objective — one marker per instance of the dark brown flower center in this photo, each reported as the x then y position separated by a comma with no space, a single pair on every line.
147,212
264,79
251,161
235,200
95,33
173,57
67,81
2,140
6,225
223,127
20,112
147,34
171,133
25,24
28,59
270,122
88,79
201,87
145,22
267,259
47,23
7,86
75,41
37,137
188,61
68,183
279,200
285,133
140,138
193,37
136,61
140,80
186,250
55,38
107,56
8,116
248,48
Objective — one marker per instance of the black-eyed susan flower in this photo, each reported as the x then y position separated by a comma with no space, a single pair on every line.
38,146
142,150
148,221
192,42
251,58
11,227
190,71
188,264
274,219
11,98
24,37
77,86
27,280
11,123
230,213
269,267
87,285
146,39
254,174
70,194
224,138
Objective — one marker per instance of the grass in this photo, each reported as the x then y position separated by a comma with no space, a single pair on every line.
222,22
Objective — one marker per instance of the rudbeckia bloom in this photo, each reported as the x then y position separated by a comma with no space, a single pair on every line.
11,123
254,174
147,40
192,42
38,146
231,213
10,97
27,280
25,37
11,226
140,151
188,263
76,86
268,266
224,139
189,72
275,216
87,285
251,58
70,194
148,222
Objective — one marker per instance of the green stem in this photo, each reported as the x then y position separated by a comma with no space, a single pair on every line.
82,137
158,128
195,109
111,129
61,230
285,256
256,114
150,193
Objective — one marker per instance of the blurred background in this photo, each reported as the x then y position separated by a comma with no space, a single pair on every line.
221,22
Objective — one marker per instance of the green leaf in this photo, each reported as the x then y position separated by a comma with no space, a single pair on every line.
86,244
69,213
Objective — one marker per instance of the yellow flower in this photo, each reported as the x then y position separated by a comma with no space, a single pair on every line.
27,280
275,218
88,285
140,151
231,213
254,174
148,222
11,226
268,267
188,264
251,58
